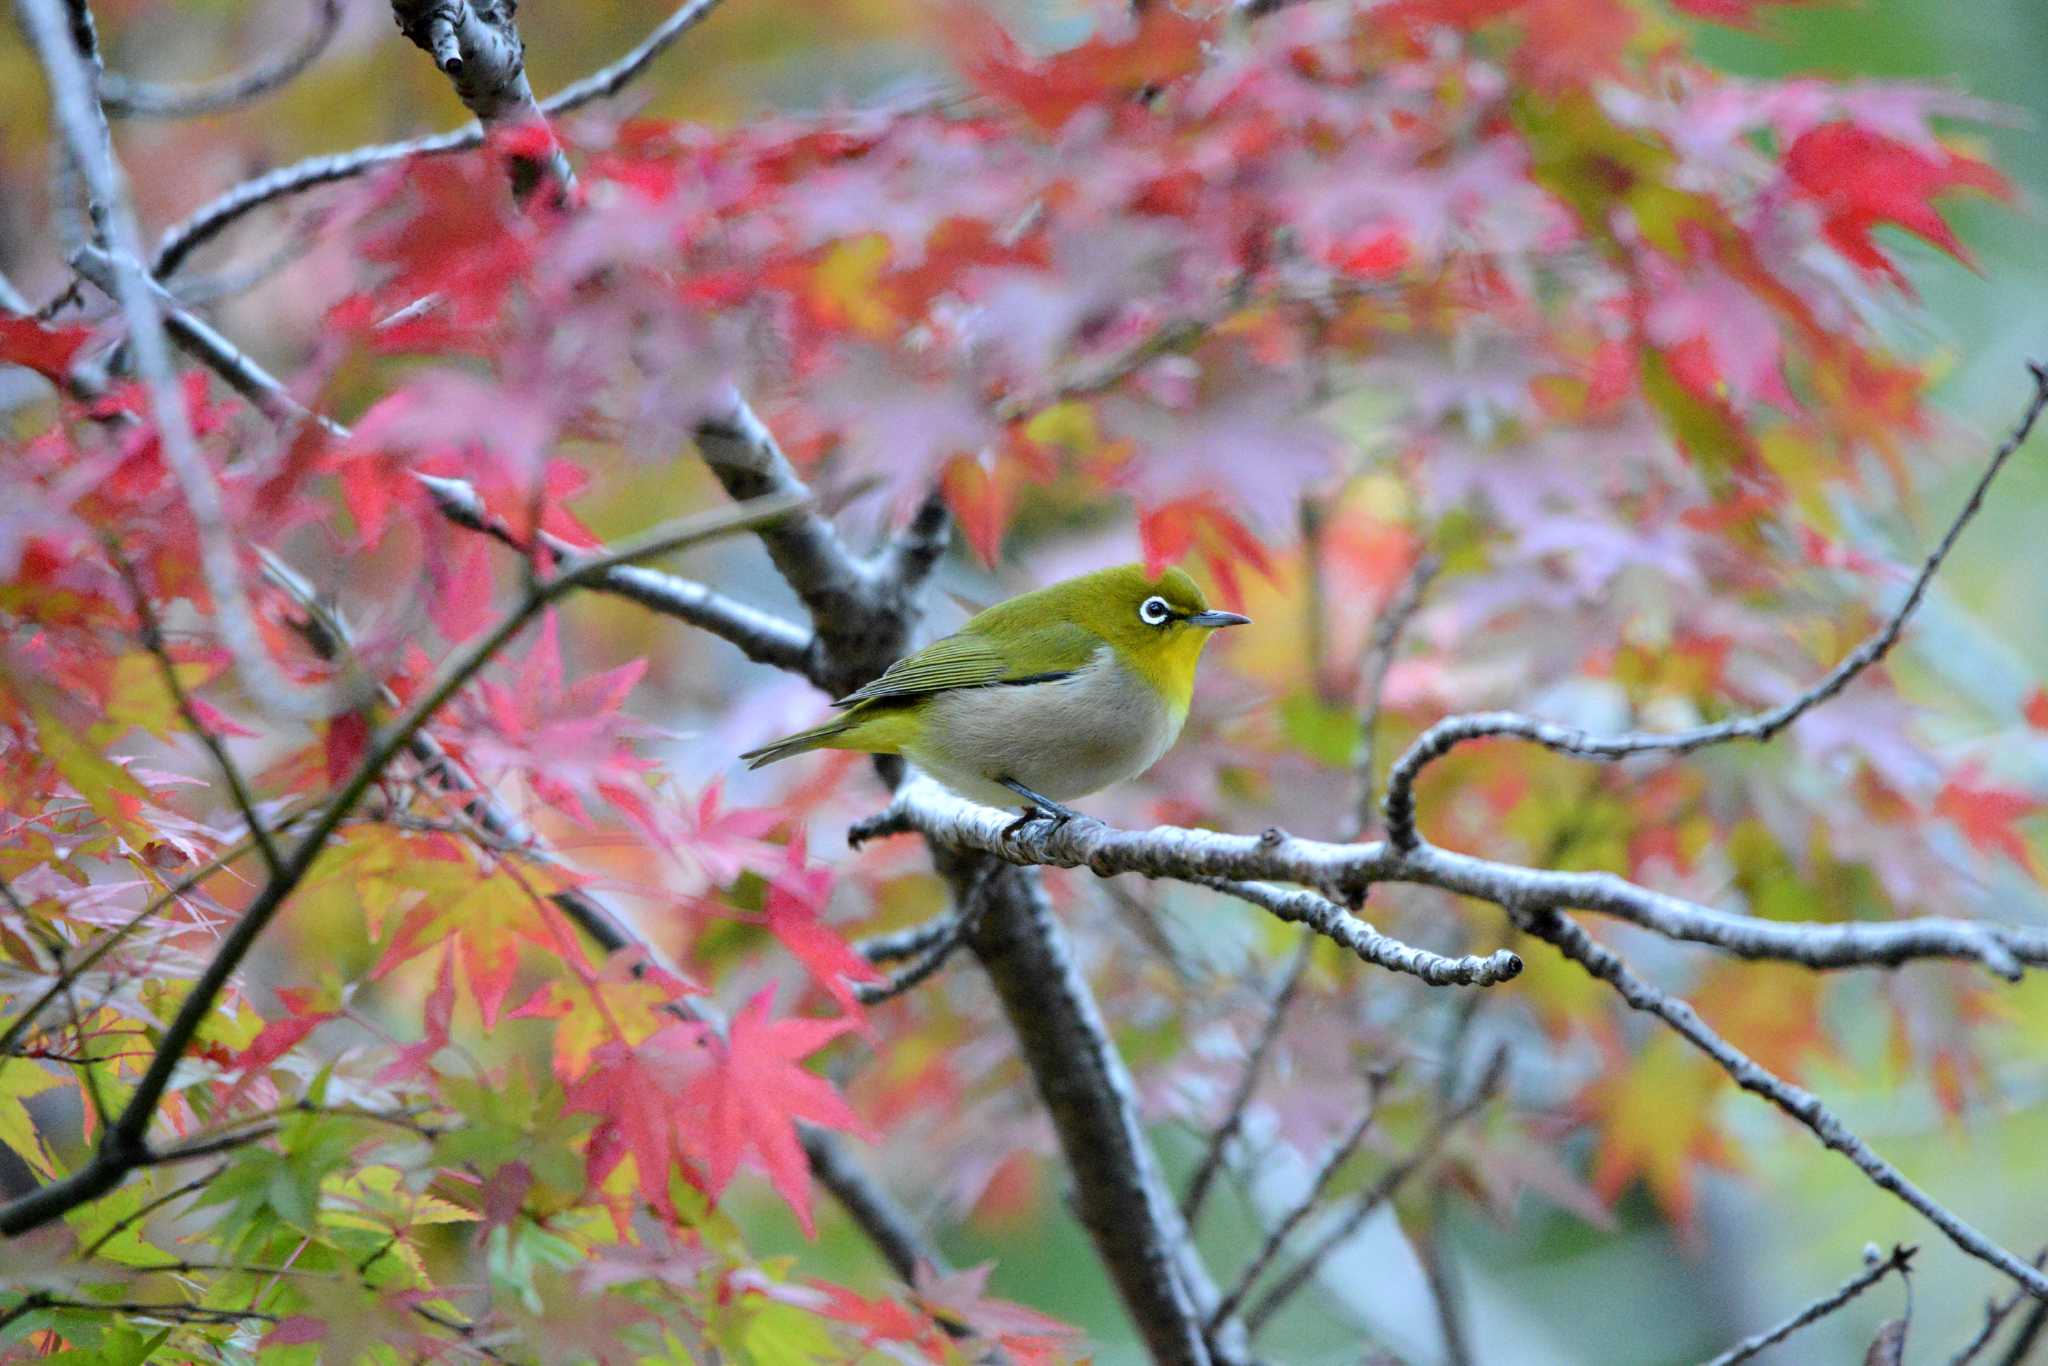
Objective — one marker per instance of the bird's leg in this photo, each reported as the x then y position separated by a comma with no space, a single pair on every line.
1041,806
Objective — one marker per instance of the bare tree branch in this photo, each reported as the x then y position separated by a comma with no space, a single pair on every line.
1345,871
200,340
1574,943
761,636
1334,923
1247,1081
1119,1192
1900,1260
1533,897
125,98
211,218
477,47
77,113
955,929
1447,734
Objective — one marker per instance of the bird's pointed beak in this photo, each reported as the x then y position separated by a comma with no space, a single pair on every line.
1216,619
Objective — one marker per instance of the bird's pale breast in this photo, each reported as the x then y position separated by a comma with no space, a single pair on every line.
1064,739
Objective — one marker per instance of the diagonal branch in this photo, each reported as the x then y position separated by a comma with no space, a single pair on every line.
1447,734
1283,1229
1574,943
1247,1082
124,98
1995,1314
1367,1201
1900,1260
77,114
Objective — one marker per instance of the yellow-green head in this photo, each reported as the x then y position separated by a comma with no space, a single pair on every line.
1157,627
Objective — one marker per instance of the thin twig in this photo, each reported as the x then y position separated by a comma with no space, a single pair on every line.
125,98
2020,1350
1367,1201
1379,658
974,904
1446,735
1900,1260
148,1208
1333,922
1571,940
153,641
1247,1081
114,937
1283,1229
1995,1314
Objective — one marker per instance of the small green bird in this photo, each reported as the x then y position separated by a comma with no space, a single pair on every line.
1052,695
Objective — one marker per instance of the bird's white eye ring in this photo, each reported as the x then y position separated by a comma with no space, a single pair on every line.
1155,611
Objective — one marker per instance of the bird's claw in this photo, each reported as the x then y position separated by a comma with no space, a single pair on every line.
1036,813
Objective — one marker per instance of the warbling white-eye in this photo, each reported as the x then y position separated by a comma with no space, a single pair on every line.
1049,696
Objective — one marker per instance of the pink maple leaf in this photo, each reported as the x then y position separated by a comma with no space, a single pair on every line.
752,1093
796,898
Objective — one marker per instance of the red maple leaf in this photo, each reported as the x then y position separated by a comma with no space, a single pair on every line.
960,1297
1988,816
412,1059
752,1092
1159,44
880,1320
2036,709
636,1091
569,743
796,897
48,351
1862,178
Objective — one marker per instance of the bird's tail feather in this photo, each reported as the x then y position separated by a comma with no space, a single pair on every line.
799,743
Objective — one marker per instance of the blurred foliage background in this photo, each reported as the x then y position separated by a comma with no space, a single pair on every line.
1552,1288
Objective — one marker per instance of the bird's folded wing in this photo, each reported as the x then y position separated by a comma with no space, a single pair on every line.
971,660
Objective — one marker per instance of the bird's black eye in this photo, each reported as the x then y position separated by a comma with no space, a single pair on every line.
1155,611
